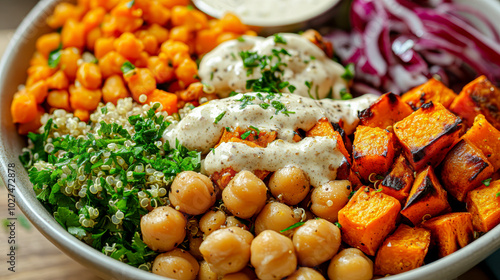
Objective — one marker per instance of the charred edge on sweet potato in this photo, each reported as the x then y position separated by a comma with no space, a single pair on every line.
394,182
477,162
423,190
420,153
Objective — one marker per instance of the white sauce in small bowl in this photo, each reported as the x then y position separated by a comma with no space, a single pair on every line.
267,12
224,70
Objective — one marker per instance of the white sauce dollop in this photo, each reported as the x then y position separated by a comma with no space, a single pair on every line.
197,130
223,67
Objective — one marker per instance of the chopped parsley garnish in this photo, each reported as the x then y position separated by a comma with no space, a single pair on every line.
338,224
378,190
344,95
233,93
271,71
278,39
228,129
240,39
296,225
127,68
130,4
313,57
219,117
280,108
98,193
190,7
348,72
104,110
254,128
246,134
55,57
264,105
351,194
211,75
246,100
498,194
487,182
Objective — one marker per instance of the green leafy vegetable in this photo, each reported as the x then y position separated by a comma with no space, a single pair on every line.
55,57
296,225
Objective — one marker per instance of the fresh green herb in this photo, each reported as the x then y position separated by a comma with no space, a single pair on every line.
351,194
211,75
127,68
344,95
228,129
55,57
233,93
130,4
498,194
255,128
278,39
378,190
296,225
190,7
246,134
348,72
212,150
104,110
291,88
86,210
313,57
487,182
246,100
233,56
309,85
264,105
281,108
219,117
240,39
338,225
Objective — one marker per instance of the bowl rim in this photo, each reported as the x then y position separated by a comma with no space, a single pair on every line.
445,268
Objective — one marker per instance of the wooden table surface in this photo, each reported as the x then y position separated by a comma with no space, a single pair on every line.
37,258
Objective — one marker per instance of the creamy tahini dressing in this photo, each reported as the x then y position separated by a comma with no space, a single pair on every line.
269,12
197,130
223,67
318,157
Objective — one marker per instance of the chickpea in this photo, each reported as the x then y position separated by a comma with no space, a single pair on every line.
245,274
316,242
206,273
227,250
289,185
232,221
89,75
192,193
114,89
329,198
306,273
350,264
176,264
245,195
272,255
163,228
212,221
275,216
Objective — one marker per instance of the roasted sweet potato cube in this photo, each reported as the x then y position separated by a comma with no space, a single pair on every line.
399,181
402,251
450,232
387,110
324,128
373,151
478,97
464,168
432,90
427,198
428,134
368,218
484,205
486,138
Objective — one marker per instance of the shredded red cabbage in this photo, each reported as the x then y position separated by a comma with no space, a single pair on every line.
398,44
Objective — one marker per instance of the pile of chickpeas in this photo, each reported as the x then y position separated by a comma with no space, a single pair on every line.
80,65
251,229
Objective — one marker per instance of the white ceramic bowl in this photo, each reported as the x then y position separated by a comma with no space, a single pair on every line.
13,72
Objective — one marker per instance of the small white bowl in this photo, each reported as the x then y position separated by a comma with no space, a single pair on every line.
272,16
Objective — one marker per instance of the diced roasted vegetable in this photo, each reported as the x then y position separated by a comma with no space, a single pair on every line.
432,90
478,97
368,218
399,181
387,110
450,232
324,128
464,168
373,151
484,205
428,134
486,138
427,198
402,251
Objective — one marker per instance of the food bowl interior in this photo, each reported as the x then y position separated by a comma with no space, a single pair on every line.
13,73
